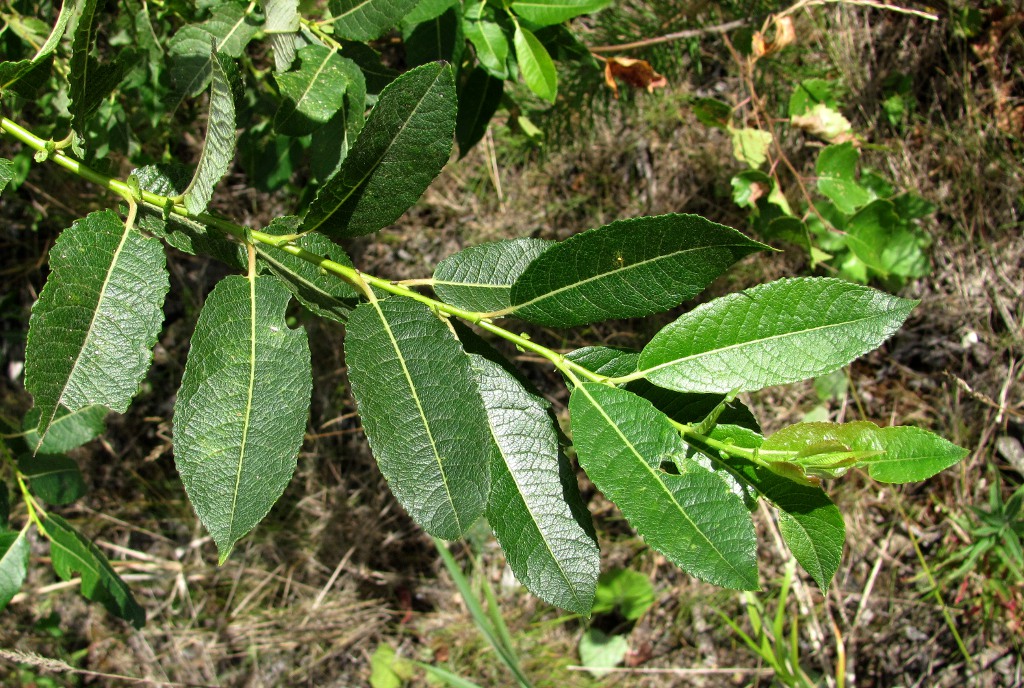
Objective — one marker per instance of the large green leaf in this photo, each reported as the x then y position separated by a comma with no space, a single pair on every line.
241,410
546,12
627,269
93,328
421,412
322,293
479,98
67,9
693,518
71,553
228,30
783,331
911,454
314,91
440,38
365,20
90,81
480,277
531,483
69,429
406,141
282,25
535,64
56,479
14,550
219,144
837,169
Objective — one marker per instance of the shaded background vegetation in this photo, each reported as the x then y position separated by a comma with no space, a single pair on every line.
337,569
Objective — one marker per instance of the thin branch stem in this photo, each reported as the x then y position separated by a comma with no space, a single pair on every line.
670,37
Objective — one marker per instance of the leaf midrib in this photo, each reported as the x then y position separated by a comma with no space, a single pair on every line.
248,404
658,480
617,271
376,163
713,352
309,86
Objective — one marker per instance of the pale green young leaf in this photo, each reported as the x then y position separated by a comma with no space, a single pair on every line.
365,20
875,235
531,483
626,269
837,170
547,12
488,38
421,412
241,411
693,518
71,553
54,478
479,99
403,146
228,30
69,429
628,591
750,145
911,454
535,64
219,144
312,92
194,238
281,16
323,294
93,328
772,334
480,277
600,652
14,551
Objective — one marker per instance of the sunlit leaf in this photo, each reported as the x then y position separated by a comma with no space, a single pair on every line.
480,277
14,551
535,64
365,20
219,144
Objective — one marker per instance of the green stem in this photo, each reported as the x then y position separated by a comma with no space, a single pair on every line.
349,274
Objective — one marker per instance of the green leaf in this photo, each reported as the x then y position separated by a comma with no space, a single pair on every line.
750,145
628,591
69,429
600,652
488,39
772,334
405,143
878,237
809,93
282,16
67,8
748,186
365,20
228,30
54,478
692,518
14,550
313,92
90,81
837,169
437,39
480,277
421,412
93,328
535,64
712,113
70,553
241,410
531,482
605,360
547,12
219,144
194,238
6,173
425,10
323,294
479,99
911,454
629,268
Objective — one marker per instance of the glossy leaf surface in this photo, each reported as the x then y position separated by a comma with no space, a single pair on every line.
629,268
692,518
480,277
365,20
241,411
535,64
546,12
531,484
403,146
93,328
14,551
72,554
783,331
421,412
